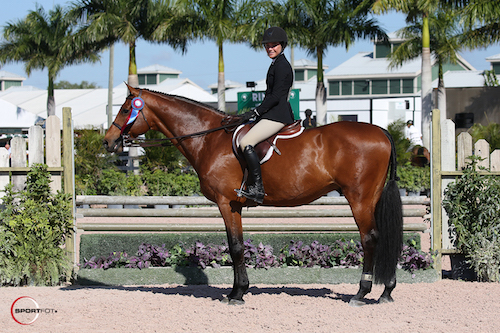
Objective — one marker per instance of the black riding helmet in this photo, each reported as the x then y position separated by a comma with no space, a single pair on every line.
275,35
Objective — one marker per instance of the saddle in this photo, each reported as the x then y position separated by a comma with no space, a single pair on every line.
265,148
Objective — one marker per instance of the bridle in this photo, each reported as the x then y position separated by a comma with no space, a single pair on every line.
229,124
136,106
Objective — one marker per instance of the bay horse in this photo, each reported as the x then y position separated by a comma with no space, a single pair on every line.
420,156
355,158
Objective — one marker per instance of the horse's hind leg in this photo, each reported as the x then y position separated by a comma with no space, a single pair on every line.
234,230
368,241
386,295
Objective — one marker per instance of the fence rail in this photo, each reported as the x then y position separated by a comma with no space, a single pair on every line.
248,227
197,212
198,200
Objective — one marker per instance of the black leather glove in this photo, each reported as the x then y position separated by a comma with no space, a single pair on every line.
249,115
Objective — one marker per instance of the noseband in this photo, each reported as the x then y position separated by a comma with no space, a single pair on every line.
137,105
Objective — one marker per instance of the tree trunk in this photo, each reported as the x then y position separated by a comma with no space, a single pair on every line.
221,85
441,95
292,61
51,101
321,114
426,92
321,110
133,78
110,84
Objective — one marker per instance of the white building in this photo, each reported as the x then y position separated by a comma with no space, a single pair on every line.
89,106
364,89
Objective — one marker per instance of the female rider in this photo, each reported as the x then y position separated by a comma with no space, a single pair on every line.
272,114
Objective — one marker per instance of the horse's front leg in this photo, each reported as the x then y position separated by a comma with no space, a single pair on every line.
231,213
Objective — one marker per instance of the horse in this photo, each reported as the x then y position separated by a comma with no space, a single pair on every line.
354,158
420,156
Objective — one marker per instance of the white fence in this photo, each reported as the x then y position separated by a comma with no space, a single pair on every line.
26,152
454,157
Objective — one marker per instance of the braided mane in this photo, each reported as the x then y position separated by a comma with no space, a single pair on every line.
187,100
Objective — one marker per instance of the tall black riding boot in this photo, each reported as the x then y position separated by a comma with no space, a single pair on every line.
255,187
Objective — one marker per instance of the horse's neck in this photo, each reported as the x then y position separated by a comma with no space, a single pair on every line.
191,119
178,117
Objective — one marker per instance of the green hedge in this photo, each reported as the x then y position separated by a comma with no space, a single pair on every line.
103,244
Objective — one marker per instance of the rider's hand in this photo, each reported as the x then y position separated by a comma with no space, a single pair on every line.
249,115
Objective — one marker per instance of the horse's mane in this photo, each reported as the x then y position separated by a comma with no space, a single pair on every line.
187,100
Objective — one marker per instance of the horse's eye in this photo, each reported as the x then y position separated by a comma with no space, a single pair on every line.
125,111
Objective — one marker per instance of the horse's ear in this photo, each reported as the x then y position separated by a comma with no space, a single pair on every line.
130,88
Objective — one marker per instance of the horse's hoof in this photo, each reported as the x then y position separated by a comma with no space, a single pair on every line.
383,300
356,303
232,301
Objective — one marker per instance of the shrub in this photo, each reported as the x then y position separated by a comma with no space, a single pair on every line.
397,131
490,133
115,182
33,227
166,158
209,255
413,259
164,183
473,208
90,160
413,178
260,256
163,170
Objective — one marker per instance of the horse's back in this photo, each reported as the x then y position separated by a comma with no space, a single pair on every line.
354,131
350,138
335,156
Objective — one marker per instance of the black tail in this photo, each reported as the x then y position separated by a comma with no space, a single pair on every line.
389,220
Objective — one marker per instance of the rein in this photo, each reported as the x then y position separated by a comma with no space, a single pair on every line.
167,141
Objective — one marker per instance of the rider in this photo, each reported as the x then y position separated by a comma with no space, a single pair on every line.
272,114
413,135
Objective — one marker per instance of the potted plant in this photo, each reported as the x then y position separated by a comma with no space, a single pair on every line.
413,179
472,205
423,178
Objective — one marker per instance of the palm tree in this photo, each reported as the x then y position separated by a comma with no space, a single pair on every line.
481,20
39,40
414,9
113,20
122,20
317,24
445,43
220,21
168,22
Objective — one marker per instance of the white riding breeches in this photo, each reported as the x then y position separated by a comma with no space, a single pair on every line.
264,129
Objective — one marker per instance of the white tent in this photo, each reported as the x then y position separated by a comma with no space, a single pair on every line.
15,118
88,106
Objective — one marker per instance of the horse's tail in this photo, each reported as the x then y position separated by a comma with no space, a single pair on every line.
389,221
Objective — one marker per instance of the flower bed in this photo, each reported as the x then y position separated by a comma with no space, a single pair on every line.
341,253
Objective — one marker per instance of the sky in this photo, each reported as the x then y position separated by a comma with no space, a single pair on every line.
200,62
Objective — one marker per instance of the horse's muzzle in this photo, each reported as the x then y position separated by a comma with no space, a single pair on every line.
115,146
